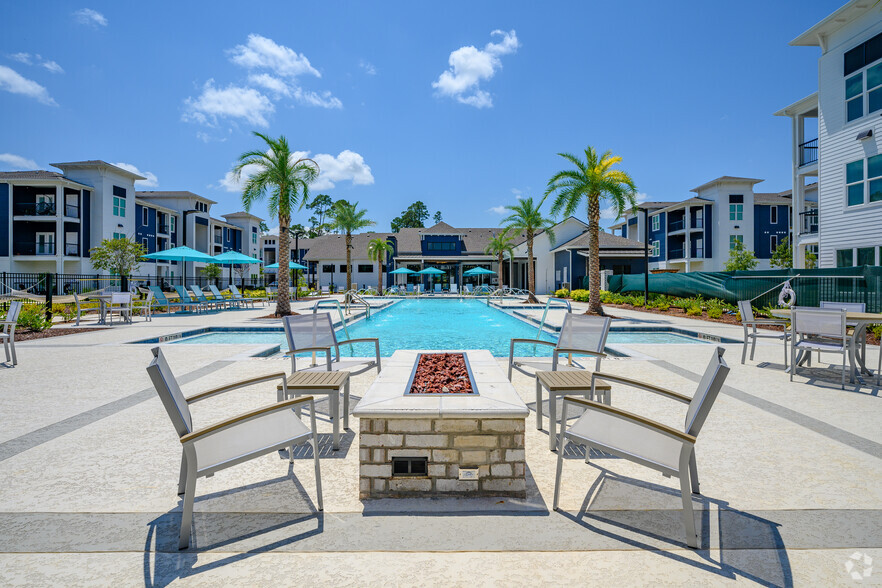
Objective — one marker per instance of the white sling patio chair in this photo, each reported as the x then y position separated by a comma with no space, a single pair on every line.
121,303
820,329
145,307
750,336
454,289
314,333
7,330
644,441
234,440
237,296
582,334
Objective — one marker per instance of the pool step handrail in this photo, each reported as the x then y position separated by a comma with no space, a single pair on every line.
352,295
545,312
336,303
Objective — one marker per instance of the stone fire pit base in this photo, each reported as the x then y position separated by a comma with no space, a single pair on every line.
494,446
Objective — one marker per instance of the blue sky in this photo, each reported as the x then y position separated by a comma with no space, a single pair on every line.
462,105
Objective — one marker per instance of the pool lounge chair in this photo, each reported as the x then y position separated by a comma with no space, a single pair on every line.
438,289
454,289
217,295
7,330
162,300
635,438
581,334
237,296
199,295
314,333
235,440
188,298
467,289
326,291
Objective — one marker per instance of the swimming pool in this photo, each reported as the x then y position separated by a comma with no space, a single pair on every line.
439,324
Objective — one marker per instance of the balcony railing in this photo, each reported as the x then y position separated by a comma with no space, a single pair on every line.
698,223
162,228
808,222
33,248
808,152
217,239
71,248
677,225
33,208
698,252
676,254
71,211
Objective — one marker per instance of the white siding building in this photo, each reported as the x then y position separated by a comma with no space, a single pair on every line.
848,163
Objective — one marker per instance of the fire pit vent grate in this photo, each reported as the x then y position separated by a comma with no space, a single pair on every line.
410,466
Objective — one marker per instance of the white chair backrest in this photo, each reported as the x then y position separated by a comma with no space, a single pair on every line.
468,288
310,330
120,297
454,288
170,393
847,306
746,310
706,394
149,298
14,310
326,289
584,331
818,322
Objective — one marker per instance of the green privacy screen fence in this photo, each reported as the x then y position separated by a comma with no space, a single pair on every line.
847,284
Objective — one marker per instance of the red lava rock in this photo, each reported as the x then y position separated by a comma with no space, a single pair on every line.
441,373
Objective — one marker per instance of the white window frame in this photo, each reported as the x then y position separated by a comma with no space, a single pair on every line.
49,240
171,223
656,248
773,243
736,212
119,235
144,244
733,238
145,215
119,206
864,95
656,222
866,179
773,214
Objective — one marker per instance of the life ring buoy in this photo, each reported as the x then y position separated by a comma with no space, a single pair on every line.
787,297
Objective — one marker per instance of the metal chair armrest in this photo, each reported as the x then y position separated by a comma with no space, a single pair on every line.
643,385
235,385
326,350
634,418
361,340
244,417
560,351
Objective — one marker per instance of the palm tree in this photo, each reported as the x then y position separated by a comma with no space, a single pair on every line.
593,180
347,218
499,245
526,218
377,250
287,181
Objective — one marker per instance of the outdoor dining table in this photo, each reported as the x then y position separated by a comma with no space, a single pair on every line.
860,321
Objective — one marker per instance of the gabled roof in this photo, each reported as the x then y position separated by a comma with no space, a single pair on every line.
39,174
242,214
655,205
772,198
724,179
817,35
333,246
172,194
607,241
440,228
99,164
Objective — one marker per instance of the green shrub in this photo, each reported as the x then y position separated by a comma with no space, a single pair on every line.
662,306
693,310
65,311
579,295
714,312
33,317
255,293
876,330
562,293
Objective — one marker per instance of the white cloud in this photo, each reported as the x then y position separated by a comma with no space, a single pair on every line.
263,53
36,59
469,66
325,99
497,209
275,85
230,102
15,162
347,166
151,182
89,17
610,214
368,67
12,81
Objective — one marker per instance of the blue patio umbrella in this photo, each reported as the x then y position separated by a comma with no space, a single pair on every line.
478,271
403,270
430,271
232,258
291,265
182,254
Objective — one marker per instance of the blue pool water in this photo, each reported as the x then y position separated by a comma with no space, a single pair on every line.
438,324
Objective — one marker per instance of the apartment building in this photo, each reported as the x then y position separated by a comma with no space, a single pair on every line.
835,141
697,234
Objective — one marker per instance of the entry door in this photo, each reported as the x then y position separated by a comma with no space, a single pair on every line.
45,243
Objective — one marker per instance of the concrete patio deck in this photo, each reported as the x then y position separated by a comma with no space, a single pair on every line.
791,479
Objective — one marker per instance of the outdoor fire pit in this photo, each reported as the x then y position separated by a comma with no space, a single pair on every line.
441,423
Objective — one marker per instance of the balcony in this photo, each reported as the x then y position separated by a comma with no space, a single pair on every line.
698,252
808,222
218,240
698,223
676,254
162,228
33,248
72,249
71,211
677,225
808,152
33,209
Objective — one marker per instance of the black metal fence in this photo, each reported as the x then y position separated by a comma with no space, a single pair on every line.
67,284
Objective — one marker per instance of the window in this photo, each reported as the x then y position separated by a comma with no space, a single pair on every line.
119,236
254,236
864,87
735,239
171,223
201,207
736,207
866,256
773,215
328,268
365,268
342,268
655,222
119,206
144,243
45,243
656,248
844,257
441,246
773,243
858,191
144,216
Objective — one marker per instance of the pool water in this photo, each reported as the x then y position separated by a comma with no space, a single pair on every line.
438,324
